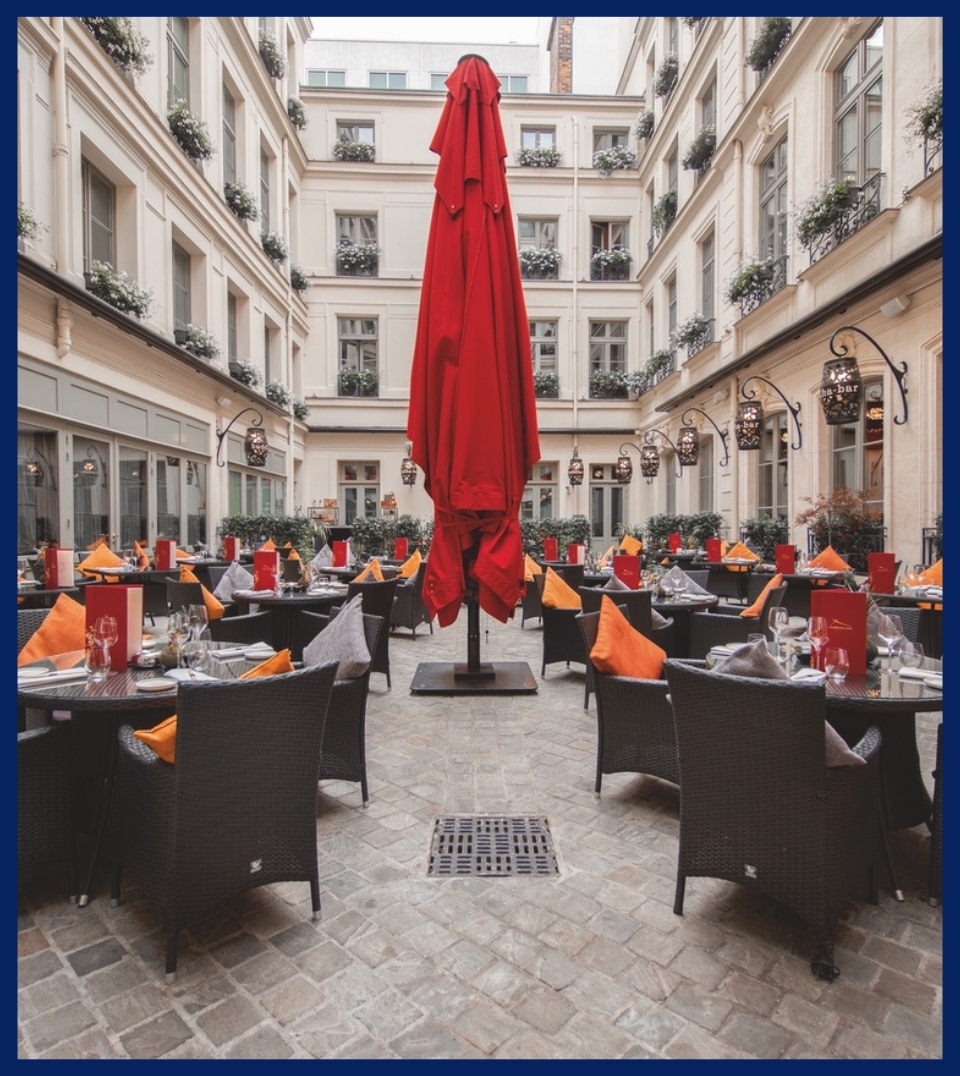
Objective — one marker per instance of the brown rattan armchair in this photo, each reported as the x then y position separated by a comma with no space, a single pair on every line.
377,600
759,805
249,628
409,609
530,607
237,809
562,640
720,627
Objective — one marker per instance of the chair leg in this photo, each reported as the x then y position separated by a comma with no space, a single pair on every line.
315,898
884,814
823,966
363,788
116,884
678,894
171,969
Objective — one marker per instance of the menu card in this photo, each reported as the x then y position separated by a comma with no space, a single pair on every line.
576,553
675,542
550,550
846,613
58,565
400,548
714,547
627,569
125,602
266,567
882,572
165,554
340,554
786,559
231,548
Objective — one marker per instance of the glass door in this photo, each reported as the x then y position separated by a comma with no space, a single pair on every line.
91,492
133,496
606,507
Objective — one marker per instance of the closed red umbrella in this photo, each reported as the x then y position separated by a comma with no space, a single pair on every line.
472,418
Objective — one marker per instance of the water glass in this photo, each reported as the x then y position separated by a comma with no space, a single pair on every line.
96,661
836,664
910,654
818,628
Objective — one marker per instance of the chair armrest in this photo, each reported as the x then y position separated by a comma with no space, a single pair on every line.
869,744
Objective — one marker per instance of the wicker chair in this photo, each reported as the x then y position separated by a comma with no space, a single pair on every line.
45,823
343,752
720,627
909,620
760,807
237,809
562,640
635,732
935,876
183,595
530,606
28,622
409,609
249,628
377,600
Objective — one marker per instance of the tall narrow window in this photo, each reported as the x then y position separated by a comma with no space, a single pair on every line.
229,149
706,474
232,328
608,356
358,374
708,106
772,467
708,278
610,250
359,490
673,169
178,61
671,305
858,111
773,204
540,494
99,217
858,450
673,35
264,191
357,249
181,287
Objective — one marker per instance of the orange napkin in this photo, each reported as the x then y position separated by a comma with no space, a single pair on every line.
740,551
631,545
411,565
142,559
831,560
605,559
214,605
101,557
102,540
268,546
293,554
279,663
933,576
373,568
754,610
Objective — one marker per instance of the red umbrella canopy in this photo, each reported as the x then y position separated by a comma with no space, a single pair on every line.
473,417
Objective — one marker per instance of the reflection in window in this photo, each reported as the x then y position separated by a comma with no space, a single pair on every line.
168,497
773,467
133,496
540,495
38,484
91,491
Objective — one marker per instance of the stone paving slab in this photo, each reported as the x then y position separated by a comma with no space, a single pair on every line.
589,963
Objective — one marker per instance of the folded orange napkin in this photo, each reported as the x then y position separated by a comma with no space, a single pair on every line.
143,560
268,546
373,568
411,565
101,557
605,559
215,608
933,576
831,560
530,568
630,545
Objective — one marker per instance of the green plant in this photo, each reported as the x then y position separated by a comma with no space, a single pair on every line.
607,161
765,533
297,113
537,156
748,281
117,289
938,537
358,259
691,331
660,360
608,385
299,280
633,530
546,385
368,536
246,373
773,34
418,532
638,382
28,227
693,21
823,210
274,246
701,149
124,45
278,393
345,150
660,526
841,519
664,212
358,382
301,410
240,200
253,531
568,530
702,525
539,263
190,132
198,341
616,258
645,125
270,53
667,74
925,117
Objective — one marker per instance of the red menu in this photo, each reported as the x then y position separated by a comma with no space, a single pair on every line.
714,547
786,558
124,602
846,613
266,567
882,572
674,542
550,550
340,554
575,553
231,548
627,569
58,566
165,554
400,548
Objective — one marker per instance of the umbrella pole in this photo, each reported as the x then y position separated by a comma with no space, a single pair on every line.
474,668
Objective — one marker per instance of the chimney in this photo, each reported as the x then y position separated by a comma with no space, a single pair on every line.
560,47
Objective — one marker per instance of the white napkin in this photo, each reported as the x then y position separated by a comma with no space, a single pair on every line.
677,574
324,557
230,652
814,676
909,673
725,651
187,674
253,594
54,675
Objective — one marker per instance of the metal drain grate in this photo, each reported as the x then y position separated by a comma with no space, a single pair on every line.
491,845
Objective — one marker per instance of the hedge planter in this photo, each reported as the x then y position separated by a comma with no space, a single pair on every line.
28,227
537,156
610,264
298,279
608,385
692,333
749,282
925,117
246,373
278,393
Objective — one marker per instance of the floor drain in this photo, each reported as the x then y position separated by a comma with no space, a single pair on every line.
491,845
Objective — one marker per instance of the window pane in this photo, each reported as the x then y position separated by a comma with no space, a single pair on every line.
438,82
168,497
378,80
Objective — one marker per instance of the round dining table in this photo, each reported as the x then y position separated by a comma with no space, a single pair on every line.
680,609
284,612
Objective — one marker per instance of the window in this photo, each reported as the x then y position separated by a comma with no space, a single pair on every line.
264,191
706,474
673,169
858,112
358,345
772,467
168,496
607,237
671,305
178,61
255,494
196,502
708,106
181,287
357,250
326,78
438,81
355,131
359,490
858,450
608,137
540,493
38,485
388,80
99,217
773,204
673,36
608,346
513,83
229,148
537,240
232,328
538,137
543,349
708,278
537,233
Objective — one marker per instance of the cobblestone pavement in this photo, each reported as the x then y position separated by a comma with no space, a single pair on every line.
589,963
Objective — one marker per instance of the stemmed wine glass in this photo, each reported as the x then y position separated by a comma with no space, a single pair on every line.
105,632
777,620
910,654
178,628
889,628
196,620
817,629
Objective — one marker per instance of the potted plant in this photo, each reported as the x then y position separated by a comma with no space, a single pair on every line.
659,364
749,281
612,264
546,385
608,161
358,259
274,246
691,332
841,519
117,289
240,201
692,22
666,78
124,45
608,385
664,211
298,279
300,410
773,34
645,125
765,533
354,382
278,393
638,382
255,530
345,150
28,227
190,132
273,58
700,526
660,526
925,117
700,150
245,372
819,214
297,113
537,156
368,536
198,341
539,263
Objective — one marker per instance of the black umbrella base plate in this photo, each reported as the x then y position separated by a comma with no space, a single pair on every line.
455,678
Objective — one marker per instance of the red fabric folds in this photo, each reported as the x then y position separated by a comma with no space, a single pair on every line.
472,417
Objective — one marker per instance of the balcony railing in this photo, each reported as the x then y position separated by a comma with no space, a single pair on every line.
866,207
770,281
932,155
931,539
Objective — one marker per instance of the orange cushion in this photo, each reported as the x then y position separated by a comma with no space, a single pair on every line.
161,738
621,650
97,543
293,554
411,565
830,560
214,605
279,663
757,608
102,557
64,628
372,569
631,545
933,576
530,568
557,594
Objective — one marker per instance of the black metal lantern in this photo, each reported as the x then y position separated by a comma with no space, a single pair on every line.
33,472
841,391
688,446
748,425
255,447
649,461
575,468
623,471
408,469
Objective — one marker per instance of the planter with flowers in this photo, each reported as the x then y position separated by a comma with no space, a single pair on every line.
358,382
546,386
749,283
28,227
773,34
298,279
613,264
666,78
124,45
692,334
297,113
301,410
925,124
240,201
700,151
278,393
608,161
246,373
539,263
537,156
274,246
645,125
664,212
659,365
345,150
358,259
824,210
273,58
190,132
117,289
198,341
608,385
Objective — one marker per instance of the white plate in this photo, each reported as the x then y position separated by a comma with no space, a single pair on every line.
156,685
935,682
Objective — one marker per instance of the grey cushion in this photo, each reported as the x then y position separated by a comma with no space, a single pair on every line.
343,641
234,578
659,620
324,558
837,752
615,583
677,574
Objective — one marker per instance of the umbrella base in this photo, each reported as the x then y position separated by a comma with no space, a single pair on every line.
454,678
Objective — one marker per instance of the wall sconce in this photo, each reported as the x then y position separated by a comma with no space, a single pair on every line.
255,446
649,459
841,389
408,469
748,426
684,435
575,468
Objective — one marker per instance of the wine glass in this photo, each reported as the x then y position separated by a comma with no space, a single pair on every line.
196,651
96,661
197,620
178,628
817,631
889,629
910,654
836,664
777,621
105,632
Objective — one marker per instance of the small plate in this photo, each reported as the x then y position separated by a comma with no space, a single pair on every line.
935,682
156,685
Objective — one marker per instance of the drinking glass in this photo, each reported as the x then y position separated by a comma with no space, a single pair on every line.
910,654
777,620
836,663
889,628
96,661
105,633
196,620
196,651
817,629
178,628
